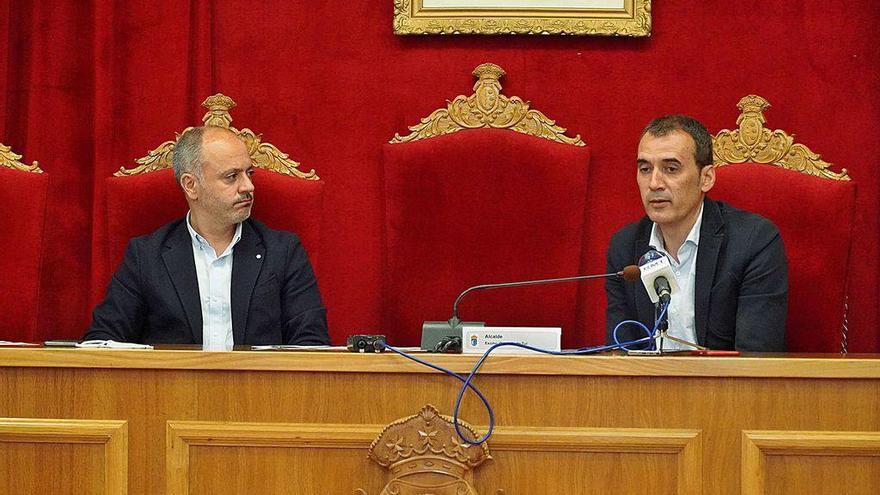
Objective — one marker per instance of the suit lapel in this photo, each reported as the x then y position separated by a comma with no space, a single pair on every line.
711,239
644,306
247,259
181,266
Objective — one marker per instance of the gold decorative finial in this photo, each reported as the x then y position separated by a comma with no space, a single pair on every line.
264,155
218,110
489,70
425,455
752,142
10,159
487,107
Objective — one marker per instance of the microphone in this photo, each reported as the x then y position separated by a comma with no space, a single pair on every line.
660,282
439,336
657,276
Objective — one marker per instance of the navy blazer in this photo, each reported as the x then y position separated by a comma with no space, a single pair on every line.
741,285
154,294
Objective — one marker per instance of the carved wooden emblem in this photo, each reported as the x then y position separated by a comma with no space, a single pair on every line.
752,142
487,107
264,155
426,456
10,159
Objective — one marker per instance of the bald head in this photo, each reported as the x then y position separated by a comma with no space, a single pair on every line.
214,170
189,151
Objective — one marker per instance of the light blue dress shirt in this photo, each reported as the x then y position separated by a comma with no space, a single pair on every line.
214,273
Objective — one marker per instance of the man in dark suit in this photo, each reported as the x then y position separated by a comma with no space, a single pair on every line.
215,277
729,264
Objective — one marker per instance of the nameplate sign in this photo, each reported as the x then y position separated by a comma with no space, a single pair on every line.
475,340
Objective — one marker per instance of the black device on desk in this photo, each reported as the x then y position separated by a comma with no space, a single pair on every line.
366,343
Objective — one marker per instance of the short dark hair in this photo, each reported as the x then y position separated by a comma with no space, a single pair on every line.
666,124
187,157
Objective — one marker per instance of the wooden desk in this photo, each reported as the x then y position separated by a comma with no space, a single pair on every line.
180,421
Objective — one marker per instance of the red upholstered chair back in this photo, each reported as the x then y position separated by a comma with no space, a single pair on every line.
477,207
22,238
140,201
468,201
141,204
815,219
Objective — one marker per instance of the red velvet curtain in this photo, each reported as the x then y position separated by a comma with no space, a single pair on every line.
87,87
47,92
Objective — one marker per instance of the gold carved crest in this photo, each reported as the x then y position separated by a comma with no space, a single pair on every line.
10,159
264,155
752,142
426,456
487,107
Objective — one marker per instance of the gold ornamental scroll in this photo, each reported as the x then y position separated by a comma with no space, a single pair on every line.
752,142
264,155
488,108
10,159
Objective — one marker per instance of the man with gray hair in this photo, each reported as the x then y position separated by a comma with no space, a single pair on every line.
215,277
729,264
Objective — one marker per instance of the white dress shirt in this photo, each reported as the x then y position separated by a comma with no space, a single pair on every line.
681,306
215,289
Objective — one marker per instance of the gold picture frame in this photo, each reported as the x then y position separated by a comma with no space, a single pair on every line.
568,17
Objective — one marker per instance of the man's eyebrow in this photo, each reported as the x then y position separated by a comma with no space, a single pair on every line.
641,161
672,160
236,169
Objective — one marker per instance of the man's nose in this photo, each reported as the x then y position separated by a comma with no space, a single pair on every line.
657,182
247,185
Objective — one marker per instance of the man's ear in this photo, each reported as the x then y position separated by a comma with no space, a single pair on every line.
189,183
707,178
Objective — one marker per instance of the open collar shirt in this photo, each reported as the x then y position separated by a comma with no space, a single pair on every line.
214,274
681,306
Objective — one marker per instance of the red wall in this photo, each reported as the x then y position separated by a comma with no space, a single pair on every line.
86,88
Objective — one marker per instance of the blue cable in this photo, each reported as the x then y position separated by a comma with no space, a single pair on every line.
467,385
651,335
466,382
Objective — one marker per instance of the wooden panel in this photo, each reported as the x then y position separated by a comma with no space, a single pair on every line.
594,460
582,395
807,462
769,366
302,458
43,468
819,475
330,458
61,456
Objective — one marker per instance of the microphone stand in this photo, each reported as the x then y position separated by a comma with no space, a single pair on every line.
663,334
524,283
662,325
437,334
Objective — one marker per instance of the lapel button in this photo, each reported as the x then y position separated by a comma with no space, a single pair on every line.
259,256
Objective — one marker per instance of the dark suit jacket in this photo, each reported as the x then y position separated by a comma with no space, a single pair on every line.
741,285
154,294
